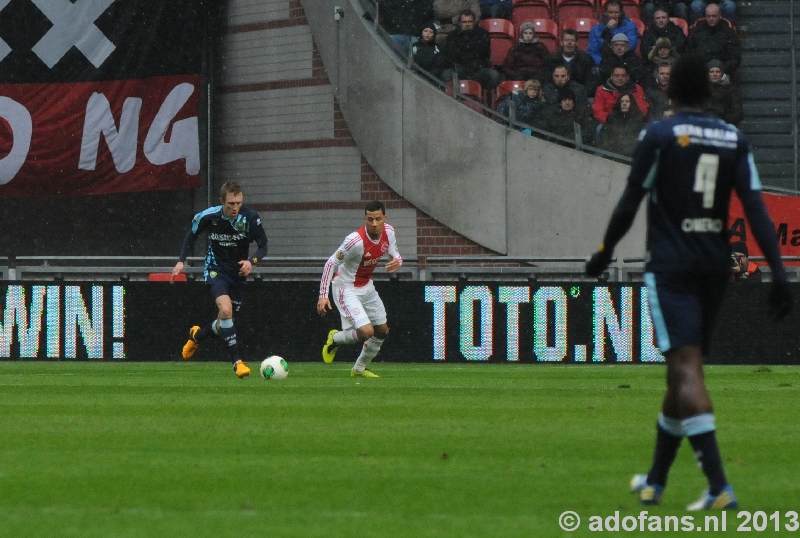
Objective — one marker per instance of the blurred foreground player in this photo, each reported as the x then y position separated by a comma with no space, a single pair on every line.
230,228
689,164
350,270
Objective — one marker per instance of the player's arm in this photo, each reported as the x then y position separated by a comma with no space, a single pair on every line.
260,237
188,241
323,302
395,260
748,188
198,225
337,258
645,161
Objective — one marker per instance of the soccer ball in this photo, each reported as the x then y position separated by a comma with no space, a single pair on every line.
274,367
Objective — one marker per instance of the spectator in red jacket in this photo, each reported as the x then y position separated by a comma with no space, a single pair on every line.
606,95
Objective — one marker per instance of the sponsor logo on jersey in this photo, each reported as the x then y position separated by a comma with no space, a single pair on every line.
707,136
228,238
368,263
702,225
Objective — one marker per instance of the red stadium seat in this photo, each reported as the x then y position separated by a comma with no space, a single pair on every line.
505,88
640,26
526,10
499,27
582,26
502,36
469,88
547,32
682,24
165,277
574,9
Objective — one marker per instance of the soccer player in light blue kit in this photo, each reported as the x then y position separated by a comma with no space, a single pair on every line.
230,227
689,165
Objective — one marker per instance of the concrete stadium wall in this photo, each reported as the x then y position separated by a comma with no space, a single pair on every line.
278,130
511,193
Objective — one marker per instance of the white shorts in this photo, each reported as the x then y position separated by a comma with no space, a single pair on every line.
358,306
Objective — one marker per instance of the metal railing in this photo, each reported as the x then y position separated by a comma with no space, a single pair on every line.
530,269
277,268
139,268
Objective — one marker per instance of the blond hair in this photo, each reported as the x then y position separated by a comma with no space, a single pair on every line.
532,83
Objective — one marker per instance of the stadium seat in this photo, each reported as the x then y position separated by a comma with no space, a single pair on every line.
165,277
504,89
527,10
640,26
682,24
582,26
502,37
469,88
547,32
574,9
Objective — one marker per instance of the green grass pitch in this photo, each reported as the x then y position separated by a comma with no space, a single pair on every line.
427,450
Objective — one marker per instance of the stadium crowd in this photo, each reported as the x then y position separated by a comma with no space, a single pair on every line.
567,75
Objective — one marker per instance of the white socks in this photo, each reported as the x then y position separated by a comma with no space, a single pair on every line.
368,352
349,336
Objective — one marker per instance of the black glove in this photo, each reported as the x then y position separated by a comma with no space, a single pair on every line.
598,263
780,300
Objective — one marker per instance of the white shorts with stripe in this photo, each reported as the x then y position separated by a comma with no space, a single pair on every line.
358,306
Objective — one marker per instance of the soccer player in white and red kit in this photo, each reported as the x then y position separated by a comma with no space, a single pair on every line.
350,270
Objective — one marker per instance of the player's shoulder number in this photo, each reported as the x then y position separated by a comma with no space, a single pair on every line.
705,177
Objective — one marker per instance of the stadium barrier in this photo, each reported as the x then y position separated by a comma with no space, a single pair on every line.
457,321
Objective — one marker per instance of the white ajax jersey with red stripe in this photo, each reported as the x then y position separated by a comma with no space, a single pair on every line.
356,259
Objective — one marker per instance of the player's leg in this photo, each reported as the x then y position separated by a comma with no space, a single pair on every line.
218,286
690,400
371,347
676,315
192,343
378,329
228,293
347,303
226,330
699,423
198,334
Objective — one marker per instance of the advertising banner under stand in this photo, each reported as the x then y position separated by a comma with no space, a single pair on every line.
429,322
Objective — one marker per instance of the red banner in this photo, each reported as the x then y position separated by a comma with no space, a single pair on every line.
79,138
785,213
